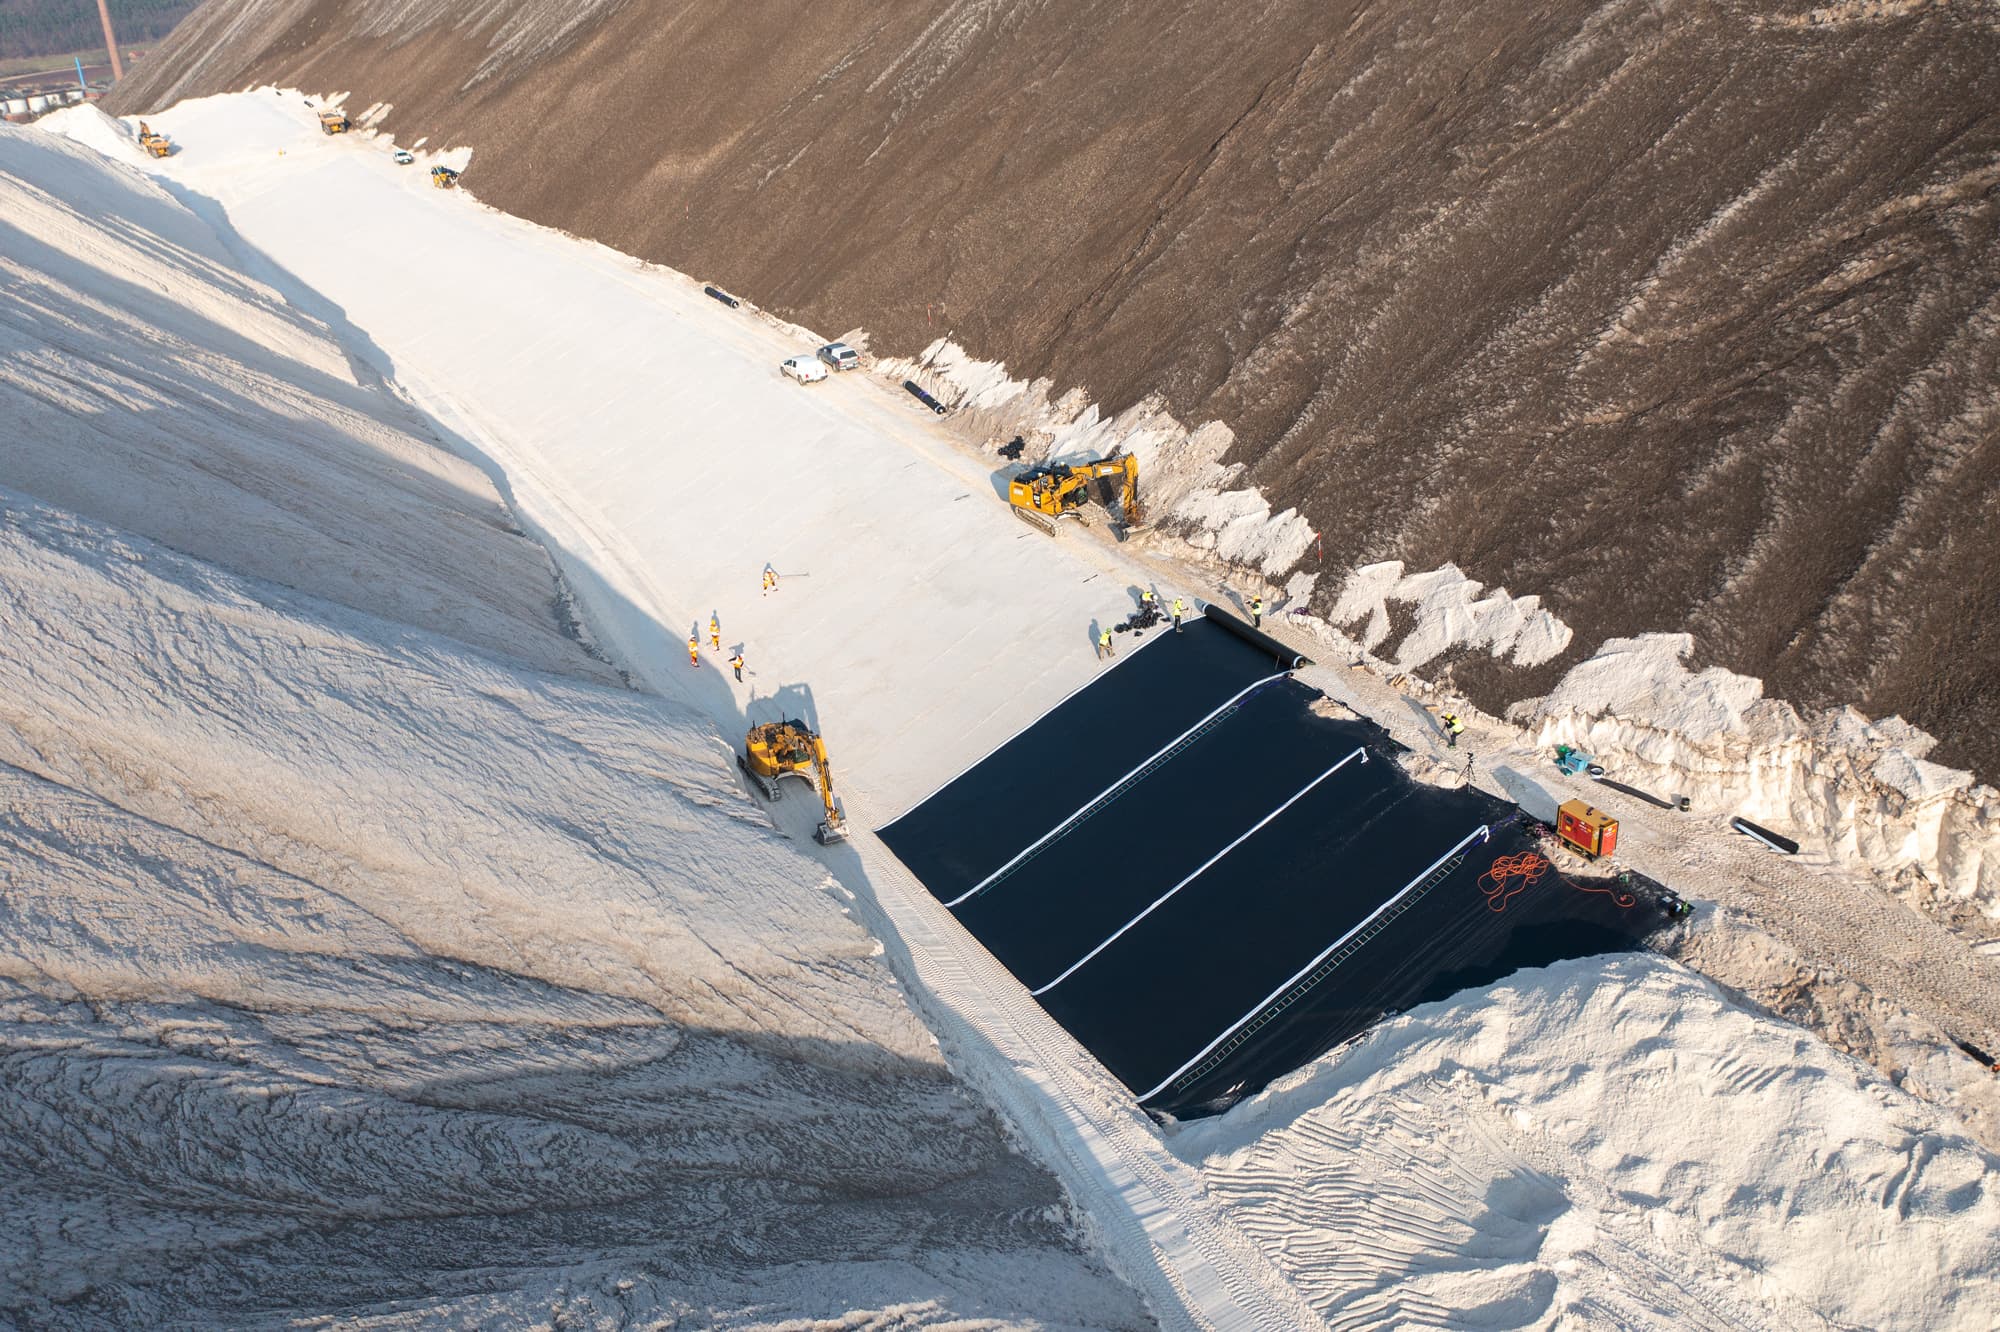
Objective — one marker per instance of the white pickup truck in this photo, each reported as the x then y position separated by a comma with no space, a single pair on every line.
806,369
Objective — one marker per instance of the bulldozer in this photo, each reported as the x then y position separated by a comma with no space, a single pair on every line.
444,178
159,145
1054,491
333,122
781,749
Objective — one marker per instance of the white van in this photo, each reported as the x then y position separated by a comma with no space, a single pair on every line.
805,369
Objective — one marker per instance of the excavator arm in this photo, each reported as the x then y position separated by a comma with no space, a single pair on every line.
833,829
1125,467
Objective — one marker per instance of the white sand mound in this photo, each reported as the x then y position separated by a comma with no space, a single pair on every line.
1450,612
90,126
1609,1145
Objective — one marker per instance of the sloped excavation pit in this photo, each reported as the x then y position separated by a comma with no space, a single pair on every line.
1208,884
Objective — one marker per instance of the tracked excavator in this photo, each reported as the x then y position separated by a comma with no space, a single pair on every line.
781,749
1060,490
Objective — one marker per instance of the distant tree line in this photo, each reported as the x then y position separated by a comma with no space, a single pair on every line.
57,27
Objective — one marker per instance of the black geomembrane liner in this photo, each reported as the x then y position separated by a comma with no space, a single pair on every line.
1199,964
1003,803
1054,907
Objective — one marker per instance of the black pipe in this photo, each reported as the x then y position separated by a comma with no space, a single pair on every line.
1257,638
1635,792
1757,832
722,296
1977,1053
916,391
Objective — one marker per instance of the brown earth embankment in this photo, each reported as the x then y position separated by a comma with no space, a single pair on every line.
1681,315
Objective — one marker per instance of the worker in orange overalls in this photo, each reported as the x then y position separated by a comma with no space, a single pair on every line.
694,650
715,633
770,581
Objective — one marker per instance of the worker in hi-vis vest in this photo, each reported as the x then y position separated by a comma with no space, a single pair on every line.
1180,613
1453,728
1104,648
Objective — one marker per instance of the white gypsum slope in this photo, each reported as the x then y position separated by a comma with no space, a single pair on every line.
348,972
148,380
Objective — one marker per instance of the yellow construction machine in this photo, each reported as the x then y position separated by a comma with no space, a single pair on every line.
1060,490
333,122
159,145
444,177
781,749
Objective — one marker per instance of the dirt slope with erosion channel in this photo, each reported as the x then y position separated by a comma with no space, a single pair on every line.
1681,315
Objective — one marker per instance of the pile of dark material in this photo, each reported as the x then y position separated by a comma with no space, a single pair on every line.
1139,621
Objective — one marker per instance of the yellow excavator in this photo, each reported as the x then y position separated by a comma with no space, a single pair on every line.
776,750
159,145
1060,490
333,122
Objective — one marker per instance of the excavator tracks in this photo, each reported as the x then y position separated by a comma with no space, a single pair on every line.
1034,520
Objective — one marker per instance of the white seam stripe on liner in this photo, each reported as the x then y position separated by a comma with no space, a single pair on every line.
1361,754
1041,841
1036,721
1481,831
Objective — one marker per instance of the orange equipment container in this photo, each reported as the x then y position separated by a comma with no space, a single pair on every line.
1591,831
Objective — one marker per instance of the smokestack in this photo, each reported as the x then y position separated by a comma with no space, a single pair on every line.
111,41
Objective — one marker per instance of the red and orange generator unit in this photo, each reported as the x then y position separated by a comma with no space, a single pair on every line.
1590,831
